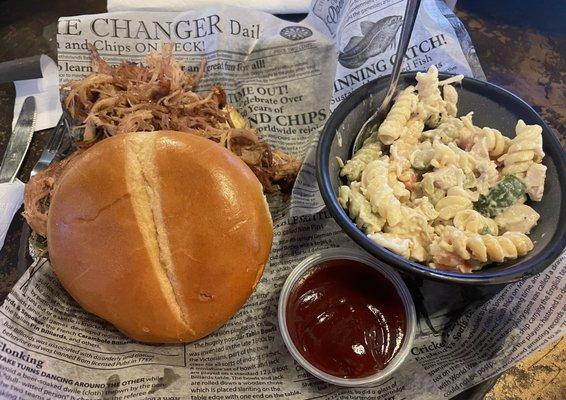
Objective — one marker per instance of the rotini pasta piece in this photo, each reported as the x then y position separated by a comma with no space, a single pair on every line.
447,177
517,218
484,248
438,226
401,151
430,190
448,131
524,149
447,260
449,206
414,226
497,144
439,155
415,127
421,157
521,241
424,205
399,189
396,120
445,155
460,191
479,149
353,168
344,196
450,261
430,106
469,132
452,156
375,185
473,221
403,171
394,243
451,100
359,209
418,250
534,132
534,181
414,222
408,141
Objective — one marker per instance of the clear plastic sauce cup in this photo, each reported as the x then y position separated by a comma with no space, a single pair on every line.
386,272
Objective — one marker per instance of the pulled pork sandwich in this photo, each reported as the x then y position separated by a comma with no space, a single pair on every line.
154,95
163,234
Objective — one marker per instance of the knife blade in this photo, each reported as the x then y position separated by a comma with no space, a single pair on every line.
19,142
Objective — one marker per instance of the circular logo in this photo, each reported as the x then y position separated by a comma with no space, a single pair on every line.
295,32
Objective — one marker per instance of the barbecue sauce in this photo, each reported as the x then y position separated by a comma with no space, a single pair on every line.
346,319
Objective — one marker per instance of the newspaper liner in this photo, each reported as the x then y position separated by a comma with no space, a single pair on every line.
283,76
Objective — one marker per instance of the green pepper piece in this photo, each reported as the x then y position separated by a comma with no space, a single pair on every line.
503,195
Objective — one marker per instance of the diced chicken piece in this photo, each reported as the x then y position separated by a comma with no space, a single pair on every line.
534,180
394,243
517,218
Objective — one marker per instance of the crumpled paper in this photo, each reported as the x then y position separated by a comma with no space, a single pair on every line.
11,199
46,93
271,6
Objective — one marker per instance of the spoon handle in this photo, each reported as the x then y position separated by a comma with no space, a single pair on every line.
411,11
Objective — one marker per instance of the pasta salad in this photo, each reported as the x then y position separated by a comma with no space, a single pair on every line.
435,188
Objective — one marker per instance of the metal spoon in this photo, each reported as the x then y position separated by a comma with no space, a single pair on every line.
377,118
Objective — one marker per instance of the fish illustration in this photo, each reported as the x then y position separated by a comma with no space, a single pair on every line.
377,36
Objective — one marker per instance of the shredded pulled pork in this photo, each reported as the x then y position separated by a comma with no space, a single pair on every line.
155,95
37,194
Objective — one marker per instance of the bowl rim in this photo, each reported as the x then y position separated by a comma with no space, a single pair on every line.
551,145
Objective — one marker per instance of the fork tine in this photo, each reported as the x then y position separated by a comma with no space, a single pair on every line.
50,151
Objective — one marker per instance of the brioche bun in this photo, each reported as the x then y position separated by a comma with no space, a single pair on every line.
163,234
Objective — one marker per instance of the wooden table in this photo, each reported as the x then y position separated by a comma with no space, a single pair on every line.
521,45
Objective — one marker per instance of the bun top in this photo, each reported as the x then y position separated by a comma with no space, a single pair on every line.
164,234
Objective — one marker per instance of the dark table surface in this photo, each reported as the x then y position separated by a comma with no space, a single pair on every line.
521,45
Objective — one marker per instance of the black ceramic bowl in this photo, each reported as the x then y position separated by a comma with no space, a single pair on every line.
494,107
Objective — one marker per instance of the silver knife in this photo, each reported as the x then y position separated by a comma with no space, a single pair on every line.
19,142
